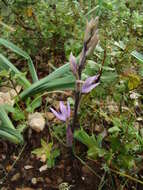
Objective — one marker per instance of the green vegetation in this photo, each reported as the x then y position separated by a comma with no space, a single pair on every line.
107,121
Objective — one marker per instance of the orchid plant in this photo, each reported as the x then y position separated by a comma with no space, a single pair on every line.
91,39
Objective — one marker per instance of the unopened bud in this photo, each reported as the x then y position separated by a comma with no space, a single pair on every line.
90,28
73,64
92,44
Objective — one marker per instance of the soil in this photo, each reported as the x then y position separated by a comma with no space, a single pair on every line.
22,171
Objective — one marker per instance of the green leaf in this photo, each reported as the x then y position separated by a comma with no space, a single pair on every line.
18,114
47,149
11,135
34,104
8,108
7,130
137,55
60,79
133,81
83,137
5,119
17,50
114,129
55,153
5,64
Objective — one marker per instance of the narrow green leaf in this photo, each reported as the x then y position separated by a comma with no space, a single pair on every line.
5,64
59,79
14,48
137,55
18,51
7,130
15,138
32,70
5,119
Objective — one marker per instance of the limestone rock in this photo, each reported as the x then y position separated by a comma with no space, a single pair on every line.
36,121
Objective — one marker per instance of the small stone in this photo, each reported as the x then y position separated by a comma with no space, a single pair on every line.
5,98
13,92
43,168
34,180
27,167
139,119
15,177
36,121
83,178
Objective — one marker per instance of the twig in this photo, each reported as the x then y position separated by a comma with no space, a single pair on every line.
127,176
102,182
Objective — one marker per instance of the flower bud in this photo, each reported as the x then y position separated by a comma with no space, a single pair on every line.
73,64
92,44
90,28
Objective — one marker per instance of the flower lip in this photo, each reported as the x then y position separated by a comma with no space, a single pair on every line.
64,112
89,84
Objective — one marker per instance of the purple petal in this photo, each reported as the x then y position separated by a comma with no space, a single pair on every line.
58,115
63,110
68,110
73,64
69,136
90,80
87,89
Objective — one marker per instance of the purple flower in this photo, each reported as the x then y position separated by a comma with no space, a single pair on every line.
64,113
89,84
69,136
73,64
